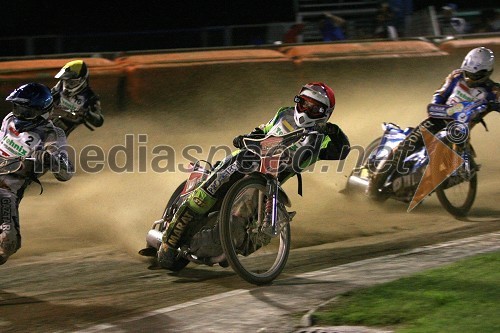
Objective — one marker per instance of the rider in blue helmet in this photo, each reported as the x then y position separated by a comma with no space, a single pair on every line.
27,134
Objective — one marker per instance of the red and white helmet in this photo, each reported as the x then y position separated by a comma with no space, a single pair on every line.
314,104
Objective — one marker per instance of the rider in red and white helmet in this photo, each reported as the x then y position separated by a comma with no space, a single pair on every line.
314,105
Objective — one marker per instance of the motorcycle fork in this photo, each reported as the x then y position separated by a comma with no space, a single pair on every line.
270,221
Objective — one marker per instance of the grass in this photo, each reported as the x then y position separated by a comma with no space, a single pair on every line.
462,297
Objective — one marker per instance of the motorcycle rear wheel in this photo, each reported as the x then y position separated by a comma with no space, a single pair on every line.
458,199
254,255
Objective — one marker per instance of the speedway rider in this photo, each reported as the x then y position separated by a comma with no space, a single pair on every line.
313,107
471,82
28,132
73,93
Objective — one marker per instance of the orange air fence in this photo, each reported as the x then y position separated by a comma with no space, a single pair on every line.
460,48
153,77
347,51
149,78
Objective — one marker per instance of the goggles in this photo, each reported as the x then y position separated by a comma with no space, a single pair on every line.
311,107
72,83
24,112
476,76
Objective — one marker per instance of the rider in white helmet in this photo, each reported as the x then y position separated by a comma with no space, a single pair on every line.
314,105
470,82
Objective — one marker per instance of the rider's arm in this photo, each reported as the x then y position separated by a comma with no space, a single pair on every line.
259,131
93,114
335,145
56,93
53,155
442,94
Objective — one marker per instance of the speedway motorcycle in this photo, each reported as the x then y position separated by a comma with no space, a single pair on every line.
458,191
252,220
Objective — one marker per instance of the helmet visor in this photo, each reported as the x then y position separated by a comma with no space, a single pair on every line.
477,76
309,106
72,83
24,112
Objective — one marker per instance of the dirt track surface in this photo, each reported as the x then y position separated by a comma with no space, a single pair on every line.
79,266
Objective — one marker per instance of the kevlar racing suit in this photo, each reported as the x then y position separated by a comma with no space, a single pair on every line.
331,144
454,90
46,144
85,106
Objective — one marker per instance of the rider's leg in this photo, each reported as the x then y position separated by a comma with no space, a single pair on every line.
10,236
196,206
188,214
395,160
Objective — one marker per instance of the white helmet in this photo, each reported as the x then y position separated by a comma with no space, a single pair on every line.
478,65
314,103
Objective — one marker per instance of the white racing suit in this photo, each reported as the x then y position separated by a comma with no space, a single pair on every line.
454,90
26,139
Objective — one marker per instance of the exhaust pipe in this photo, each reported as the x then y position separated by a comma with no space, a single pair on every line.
153,238
356,184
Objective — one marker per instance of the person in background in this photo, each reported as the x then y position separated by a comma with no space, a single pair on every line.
384,22
33,144
293,34
74,97
332,27
489,21
452,24
403,10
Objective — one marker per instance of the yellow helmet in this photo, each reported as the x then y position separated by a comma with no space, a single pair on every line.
74,76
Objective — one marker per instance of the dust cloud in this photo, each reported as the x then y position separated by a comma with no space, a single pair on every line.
117,207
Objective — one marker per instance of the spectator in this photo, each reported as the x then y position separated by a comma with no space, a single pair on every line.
332,27
384,22
451,24
403,10
489,21
293,35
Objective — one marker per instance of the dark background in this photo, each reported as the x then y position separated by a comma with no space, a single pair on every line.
44,17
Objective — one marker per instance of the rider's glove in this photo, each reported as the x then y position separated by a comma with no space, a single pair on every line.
494,106
238,141
42,156
327,129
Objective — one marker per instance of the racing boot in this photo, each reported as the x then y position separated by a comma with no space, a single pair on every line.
167,253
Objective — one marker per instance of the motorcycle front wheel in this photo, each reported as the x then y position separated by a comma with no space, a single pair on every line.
254,254
458,199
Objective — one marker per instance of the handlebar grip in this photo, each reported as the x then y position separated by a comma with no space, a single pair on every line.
494,106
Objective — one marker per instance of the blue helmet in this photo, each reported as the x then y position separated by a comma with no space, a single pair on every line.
31,101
